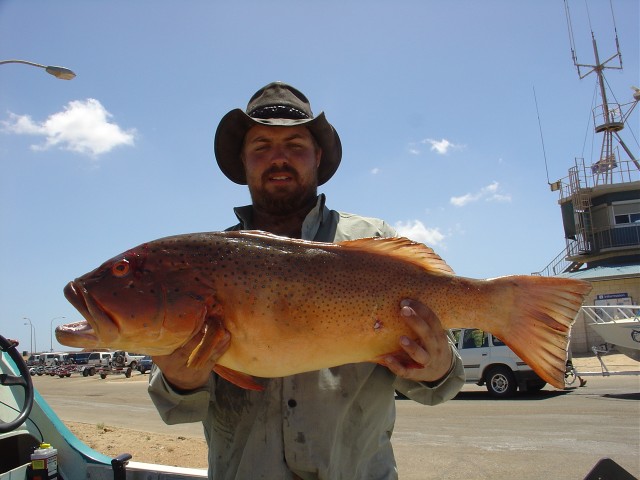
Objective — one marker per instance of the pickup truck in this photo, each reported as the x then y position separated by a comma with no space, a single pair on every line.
488,361
93,362
126,359
122,363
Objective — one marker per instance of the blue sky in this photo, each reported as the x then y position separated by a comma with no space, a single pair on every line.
433,102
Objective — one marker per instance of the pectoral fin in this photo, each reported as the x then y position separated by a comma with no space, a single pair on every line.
206,349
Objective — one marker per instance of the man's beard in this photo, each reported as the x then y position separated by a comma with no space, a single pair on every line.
286,201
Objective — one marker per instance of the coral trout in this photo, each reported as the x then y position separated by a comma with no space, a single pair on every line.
293,306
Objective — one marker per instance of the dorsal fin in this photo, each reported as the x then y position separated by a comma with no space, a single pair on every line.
403,249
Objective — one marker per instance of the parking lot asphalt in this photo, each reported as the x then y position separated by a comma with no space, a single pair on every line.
552,433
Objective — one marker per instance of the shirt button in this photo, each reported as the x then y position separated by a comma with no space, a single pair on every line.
292,403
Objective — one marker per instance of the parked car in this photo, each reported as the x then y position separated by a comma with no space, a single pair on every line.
94,361
126,359
99,358
145,364
488,361
33,360
53,358
79,358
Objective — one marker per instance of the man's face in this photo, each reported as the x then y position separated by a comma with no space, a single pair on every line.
281,164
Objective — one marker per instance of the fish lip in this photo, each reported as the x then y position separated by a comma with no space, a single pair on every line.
72,294
82,300
77,334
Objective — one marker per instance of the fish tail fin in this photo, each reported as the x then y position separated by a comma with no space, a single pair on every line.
542,312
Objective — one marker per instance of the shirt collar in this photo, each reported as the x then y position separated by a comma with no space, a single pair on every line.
311,223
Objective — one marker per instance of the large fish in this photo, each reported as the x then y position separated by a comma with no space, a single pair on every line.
293,306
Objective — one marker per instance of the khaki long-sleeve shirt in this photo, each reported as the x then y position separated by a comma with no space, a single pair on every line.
329,424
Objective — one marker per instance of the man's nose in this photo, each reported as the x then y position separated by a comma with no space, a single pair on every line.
279,154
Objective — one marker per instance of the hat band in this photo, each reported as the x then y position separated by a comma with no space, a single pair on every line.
278,111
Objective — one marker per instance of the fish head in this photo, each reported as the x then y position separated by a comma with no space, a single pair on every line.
143,300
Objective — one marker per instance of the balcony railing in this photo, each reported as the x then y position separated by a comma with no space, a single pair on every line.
614,172
616,237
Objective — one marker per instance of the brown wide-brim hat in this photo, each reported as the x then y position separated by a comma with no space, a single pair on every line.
280,105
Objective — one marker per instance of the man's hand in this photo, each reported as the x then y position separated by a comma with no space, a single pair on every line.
431,350
179,375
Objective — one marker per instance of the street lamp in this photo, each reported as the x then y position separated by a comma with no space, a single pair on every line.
59,72
33,334
51,329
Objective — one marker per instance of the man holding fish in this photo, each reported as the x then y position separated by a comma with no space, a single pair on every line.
325,424
309,324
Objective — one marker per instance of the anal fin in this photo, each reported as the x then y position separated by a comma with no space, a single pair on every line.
240,379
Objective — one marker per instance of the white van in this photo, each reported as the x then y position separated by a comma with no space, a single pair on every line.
488,361
100,358
53,358
33,360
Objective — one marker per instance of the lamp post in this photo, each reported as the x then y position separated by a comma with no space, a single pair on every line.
33,334
51,329
59,72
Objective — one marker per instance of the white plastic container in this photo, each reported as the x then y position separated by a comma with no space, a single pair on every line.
44,462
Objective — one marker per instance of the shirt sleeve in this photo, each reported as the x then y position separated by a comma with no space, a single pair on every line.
175,407
444,390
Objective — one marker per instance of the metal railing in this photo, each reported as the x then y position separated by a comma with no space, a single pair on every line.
582,176
560,264
611,313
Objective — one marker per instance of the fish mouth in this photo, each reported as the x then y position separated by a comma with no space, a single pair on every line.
98,326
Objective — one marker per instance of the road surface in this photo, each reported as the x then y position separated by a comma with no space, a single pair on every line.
549,434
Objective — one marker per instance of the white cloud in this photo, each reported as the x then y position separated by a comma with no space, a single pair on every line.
416,231
441,147
82,127
375,171
488,194
463,200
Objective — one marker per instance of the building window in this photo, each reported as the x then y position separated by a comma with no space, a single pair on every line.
627,218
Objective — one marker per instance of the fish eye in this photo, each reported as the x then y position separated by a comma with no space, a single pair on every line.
121,268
